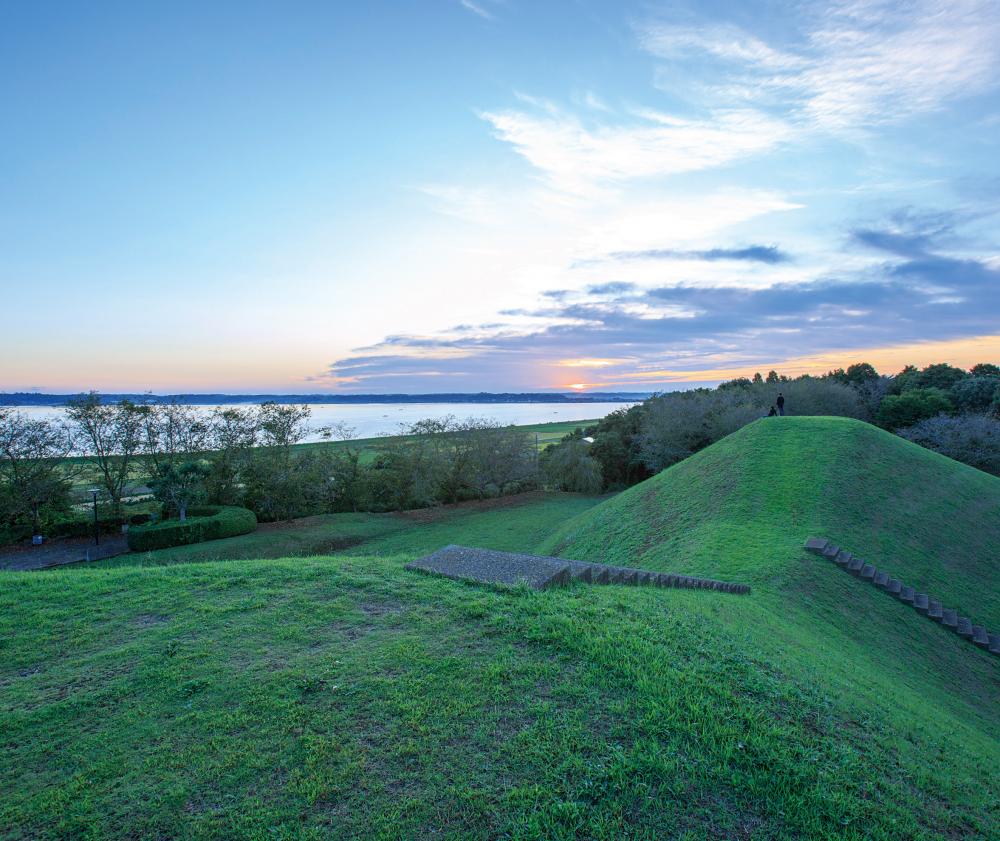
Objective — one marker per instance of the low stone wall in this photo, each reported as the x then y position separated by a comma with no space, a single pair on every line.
489,566
921,602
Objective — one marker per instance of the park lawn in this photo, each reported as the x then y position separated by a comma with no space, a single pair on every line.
508,523
347,697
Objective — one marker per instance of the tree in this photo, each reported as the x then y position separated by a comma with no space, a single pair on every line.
940,375
33,477
772,377
985,369
901,410
112,435
758,379
860,373
569,467
233,434
971,439
179,485
975,394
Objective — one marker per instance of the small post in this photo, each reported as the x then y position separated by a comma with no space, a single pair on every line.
97,525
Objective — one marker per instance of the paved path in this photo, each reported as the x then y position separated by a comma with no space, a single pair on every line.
59,552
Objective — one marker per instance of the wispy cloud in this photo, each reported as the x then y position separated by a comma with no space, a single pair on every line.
476,9
576,157
859,64
769,254
915,294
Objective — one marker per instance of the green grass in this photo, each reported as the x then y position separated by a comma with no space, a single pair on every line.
344,697
509,524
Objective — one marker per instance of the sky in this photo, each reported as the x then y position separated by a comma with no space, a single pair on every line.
493,195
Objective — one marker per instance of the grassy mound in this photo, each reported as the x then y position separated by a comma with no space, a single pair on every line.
344,697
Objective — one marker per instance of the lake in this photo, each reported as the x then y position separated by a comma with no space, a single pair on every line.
370,420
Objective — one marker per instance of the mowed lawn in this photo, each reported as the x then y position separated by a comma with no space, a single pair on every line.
344,697
348,698
509,523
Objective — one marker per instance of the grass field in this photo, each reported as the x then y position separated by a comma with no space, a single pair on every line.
344,697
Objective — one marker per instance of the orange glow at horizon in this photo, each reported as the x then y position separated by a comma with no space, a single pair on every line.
963,353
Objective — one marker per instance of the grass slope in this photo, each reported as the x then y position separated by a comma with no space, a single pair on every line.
344,697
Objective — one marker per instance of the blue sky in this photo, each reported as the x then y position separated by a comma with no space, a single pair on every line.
490,195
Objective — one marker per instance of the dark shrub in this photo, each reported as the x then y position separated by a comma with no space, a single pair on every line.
972,439
974,394
910,407
208,524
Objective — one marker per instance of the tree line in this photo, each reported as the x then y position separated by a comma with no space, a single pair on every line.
953,411
246,456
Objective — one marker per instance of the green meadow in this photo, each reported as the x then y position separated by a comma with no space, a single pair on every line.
300,683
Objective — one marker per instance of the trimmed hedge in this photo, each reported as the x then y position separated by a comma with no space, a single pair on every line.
210,523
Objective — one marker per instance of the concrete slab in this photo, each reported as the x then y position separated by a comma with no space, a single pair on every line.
894,586
964,628
487,566
867,572
921,602
600,574
949,618
831,550
980,637
816,545
881,580
842,558
994,644
907,594
935,611
855,565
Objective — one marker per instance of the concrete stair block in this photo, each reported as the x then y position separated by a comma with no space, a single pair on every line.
894,586
980,637
831,551
855,565
842,558
816,545
907,594
600,574
949,618
964,628
881,580
867,573
921,602
582,572
994,644
935,611
630,576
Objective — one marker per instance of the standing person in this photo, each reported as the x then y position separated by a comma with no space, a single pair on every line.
781,403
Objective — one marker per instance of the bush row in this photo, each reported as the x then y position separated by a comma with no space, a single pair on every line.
208,523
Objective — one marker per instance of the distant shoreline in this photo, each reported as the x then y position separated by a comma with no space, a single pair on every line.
15,399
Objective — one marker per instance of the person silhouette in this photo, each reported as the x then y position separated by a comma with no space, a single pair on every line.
772,413
781,403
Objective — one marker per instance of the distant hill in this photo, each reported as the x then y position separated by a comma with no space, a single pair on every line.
25,398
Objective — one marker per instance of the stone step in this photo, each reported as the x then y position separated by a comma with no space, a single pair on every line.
921,602
907,594
855,565
867,573
831,550
881,580
980,637
842,558
601,574
816,545
949,618
994,644
964,628
894,586
934,610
